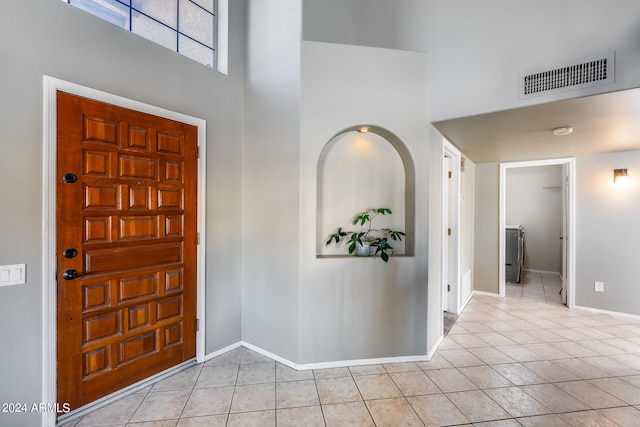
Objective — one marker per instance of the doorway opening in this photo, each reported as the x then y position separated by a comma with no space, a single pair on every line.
565,238
50,235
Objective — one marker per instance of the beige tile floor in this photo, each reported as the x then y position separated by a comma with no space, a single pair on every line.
524,360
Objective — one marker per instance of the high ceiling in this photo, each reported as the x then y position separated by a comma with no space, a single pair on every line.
601,124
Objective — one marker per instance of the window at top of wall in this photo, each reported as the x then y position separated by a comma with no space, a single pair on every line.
184,26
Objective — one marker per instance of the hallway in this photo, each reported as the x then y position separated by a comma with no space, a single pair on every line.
541,287
524,360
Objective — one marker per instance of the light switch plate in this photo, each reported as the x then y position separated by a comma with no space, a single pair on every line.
599,287
15,274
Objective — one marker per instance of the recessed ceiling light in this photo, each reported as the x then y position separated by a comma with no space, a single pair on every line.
565,130
363,129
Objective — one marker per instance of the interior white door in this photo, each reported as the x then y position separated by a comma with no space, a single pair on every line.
446,168
453,285
565,228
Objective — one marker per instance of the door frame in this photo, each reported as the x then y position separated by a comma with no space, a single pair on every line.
451,256
51,86
570,239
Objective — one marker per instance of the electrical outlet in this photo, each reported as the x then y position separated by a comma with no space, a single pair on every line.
599,286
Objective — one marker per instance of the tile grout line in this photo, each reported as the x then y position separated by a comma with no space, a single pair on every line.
190,394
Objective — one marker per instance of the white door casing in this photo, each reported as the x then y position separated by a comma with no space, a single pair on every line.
49,296
569,236
451,220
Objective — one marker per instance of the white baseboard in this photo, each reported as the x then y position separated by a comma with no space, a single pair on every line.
466,302
435,347
486,294
270,355
325,365
612,313
530,270
362,362
222,351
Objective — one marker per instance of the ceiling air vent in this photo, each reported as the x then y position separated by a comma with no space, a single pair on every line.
572,77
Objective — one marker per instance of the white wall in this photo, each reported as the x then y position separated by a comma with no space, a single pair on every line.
53,38
607,232
534,200
270,176
358,308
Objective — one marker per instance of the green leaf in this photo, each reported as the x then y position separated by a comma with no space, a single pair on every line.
336,237
397,235
355,238
368,232
362,218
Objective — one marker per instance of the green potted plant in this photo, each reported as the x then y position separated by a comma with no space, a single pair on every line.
368,236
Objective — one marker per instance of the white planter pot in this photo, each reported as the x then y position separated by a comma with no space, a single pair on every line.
362,250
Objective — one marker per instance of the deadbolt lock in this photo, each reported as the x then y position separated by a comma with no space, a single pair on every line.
70,253
69,178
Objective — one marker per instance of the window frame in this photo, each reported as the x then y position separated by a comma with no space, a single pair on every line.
218,28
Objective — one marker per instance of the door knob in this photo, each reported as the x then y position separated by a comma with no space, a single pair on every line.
70,275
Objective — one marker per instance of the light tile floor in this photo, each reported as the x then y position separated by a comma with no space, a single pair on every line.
524,360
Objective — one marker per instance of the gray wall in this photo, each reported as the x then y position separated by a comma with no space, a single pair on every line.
326,21
486,245
350,307
299,307
476,56
607,232
255,189
467,229
534,200
270,175
478,48
49,37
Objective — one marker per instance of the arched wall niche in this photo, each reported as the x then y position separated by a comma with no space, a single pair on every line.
363,170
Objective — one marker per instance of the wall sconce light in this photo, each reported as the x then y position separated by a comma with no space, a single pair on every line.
363,129
620,176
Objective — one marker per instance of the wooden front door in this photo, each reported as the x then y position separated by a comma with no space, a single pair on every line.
126,247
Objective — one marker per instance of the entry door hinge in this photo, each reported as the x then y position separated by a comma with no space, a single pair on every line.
197,325
197,238
198,151
450,174
448,232
448,288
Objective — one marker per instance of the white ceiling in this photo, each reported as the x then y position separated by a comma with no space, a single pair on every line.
601,124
